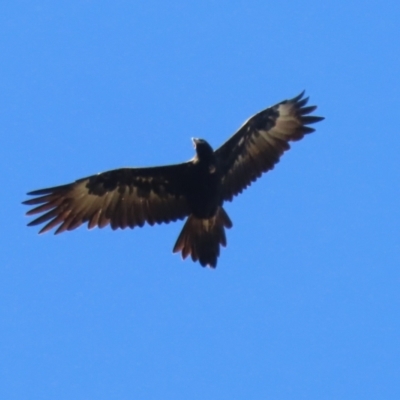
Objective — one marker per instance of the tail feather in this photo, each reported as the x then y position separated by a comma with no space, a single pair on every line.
201,238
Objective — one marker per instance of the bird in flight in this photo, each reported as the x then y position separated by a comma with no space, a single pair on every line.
196,189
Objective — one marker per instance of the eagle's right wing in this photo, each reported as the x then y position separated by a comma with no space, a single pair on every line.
125,197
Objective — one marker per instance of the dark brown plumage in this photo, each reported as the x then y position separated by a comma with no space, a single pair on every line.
196,189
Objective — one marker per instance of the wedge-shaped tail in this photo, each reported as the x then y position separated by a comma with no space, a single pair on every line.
201,238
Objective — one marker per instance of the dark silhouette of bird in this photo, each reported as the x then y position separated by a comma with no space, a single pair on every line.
197,189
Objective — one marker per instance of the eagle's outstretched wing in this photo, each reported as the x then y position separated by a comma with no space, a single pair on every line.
257,146
125,197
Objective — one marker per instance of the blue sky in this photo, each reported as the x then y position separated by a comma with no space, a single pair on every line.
305,301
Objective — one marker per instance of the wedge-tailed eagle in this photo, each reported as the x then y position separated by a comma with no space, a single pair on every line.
197,189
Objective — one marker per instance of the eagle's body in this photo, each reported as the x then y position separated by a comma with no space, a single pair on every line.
204,184
197,189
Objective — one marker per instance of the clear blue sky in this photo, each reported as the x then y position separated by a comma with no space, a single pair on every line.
305,302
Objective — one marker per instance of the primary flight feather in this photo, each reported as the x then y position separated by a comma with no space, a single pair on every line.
196,189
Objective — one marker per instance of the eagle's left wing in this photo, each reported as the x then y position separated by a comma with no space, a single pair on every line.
258,145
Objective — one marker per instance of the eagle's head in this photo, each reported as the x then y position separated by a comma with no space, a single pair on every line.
203,149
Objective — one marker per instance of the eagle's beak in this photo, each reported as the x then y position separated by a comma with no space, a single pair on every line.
195,142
